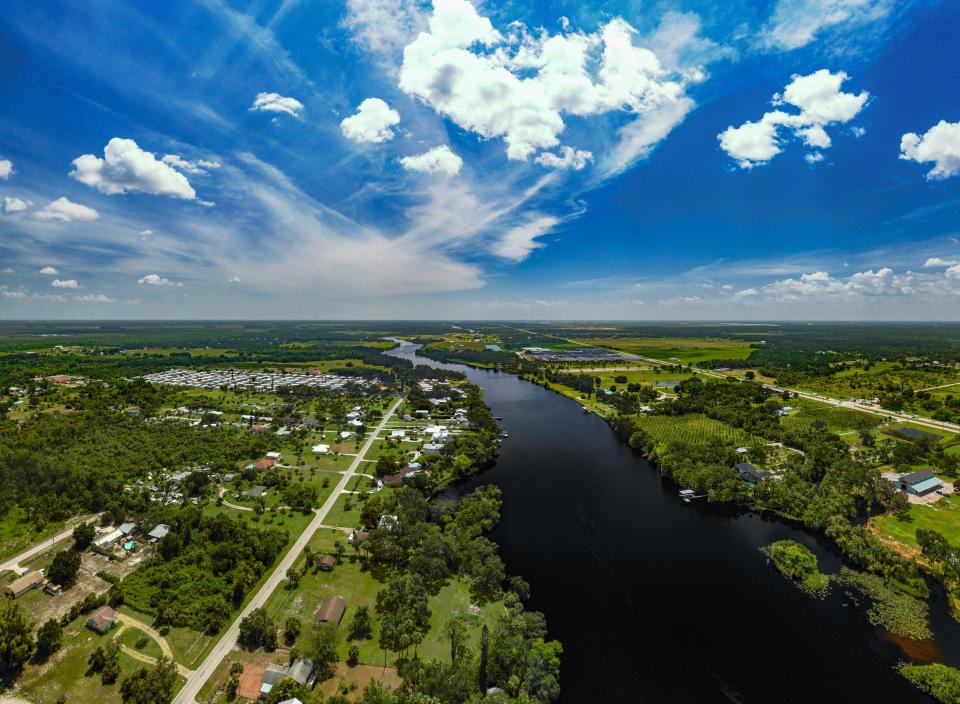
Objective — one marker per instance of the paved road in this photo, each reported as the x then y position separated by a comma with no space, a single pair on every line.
195,681
14,562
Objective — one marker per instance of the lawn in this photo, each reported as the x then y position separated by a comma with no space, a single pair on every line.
137,640
943,517
686,350
694,429
359,587
64,675
340,516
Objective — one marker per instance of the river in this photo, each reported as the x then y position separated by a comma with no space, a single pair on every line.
659,601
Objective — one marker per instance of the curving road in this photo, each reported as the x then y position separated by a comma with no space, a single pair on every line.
196,679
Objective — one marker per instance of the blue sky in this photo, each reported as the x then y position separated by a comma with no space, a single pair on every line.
791,159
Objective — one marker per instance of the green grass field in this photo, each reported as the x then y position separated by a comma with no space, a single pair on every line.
681,349
837,420
64,678
137,640
693,428
943,517
339,516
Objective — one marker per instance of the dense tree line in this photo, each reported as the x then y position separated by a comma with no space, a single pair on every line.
203,569
60,465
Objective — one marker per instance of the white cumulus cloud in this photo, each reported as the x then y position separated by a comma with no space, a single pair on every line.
940,144
65,283
371,123
820,103
568,158
157,280
6,169
274,102
14,205
49,271
519,86
439,160
518,242
126,167
233,280
938,262
65,210
94,298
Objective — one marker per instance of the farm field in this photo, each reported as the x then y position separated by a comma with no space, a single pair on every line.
694,429
684,350
641,376
837,420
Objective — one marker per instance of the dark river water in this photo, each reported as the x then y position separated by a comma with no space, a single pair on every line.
659,601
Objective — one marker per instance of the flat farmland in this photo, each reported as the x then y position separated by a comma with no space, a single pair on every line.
694,429
680,349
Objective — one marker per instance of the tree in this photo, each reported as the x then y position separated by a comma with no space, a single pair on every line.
404,614
83,535
16,640
353,655
323,649
459,636
291,629
49,638
361,626
110,670
233,684
150,686
484,657
64,569
287,688
258,631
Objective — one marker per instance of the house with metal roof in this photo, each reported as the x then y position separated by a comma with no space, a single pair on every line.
331,610
23,584
104,544
158,532
750,474
920,483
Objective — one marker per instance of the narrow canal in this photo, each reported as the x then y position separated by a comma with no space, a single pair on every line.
659,601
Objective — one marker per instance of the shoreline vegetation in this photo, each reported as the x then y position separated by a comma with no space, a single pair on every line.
796,562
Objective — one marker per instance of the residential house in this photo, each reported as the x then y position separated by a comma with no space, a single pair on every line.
127,529
255,492
750,474
920,483
327,563
22,585
158,532
321,449
102,620
104,544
